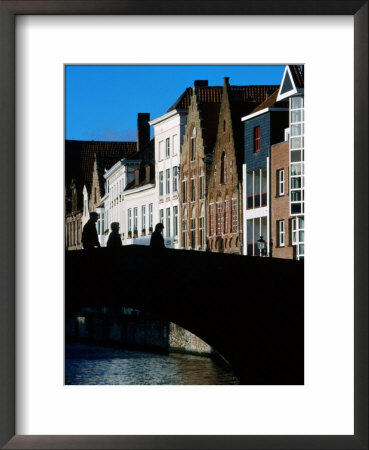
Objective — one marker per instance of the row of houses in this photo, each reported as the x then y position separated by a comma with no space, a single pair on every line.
223,173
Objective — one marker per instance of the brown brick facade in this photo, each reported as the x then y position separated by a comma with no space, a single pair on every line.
224,196
193,171
279,160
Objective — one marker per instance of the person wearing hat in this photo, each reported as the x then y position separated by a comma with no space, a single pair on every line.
89,233
157,240
114,237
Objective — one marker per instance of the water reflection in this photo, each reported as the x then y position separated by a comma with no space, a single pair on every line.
96,365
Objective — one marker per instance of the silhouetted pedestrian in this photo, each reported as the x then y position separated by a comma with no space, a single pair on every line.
114,237
89,233
157,240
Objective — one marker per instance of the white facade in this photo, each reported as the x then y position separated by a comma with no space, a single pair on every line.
117,178
168,134
139,215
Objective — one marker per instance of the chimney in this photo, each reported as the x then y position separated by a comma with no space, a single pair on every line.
137,177
143,130
147,174
226,81
201,83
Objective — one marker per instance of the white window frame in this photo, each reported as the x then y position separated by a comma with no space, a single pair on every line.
175,179
167,222
161,183
135,219
130,220
143,217
151,215
281,233
167,181
175,221
281,182
167,147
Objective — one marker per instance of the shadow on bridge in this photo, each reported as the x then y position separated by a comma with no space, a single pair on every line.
250,310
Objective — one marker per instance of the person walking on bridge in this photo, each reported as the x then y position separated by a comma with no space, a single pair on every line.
89,233
157,240
114,237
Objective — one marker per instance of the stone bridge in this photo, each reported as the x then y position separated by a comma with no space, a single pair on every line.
249,309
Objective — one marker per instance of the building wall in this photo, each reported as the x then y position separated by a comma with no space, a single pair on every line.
137,198
223,189
253,160
280,203
73,231
171,128
191,170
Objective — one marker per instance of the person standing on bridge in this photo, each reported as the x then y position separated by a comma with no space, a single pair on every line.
157,240
89,233
114,237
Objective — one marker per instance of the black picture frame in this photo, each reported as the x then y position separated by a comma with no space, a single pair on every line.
8,10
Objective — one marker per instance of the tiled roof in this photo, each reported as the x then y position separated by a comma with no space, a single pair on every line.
271,101
80,157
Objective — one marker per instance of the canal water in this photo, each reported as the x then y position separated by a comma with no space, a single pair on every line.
97,365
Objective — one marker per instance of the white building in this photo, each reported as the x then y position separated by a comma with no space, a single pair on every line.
168,135
117,178
138,209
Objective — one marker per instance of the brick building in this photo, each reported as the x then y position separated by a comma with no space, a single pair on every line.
292,89
196,153
280,219
224,196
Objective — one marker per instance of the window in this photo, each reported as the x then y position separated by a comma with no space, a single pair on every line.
143,217
257,139
130,220
219,218
202,232
280,176
280,224
234,216
167,181
296,155
167,147
135,219
161,183
184,233
202,186
184,191
150,215
193,233
298,236
223,169
95,196
224,125
193,148
174,144
226,217
193,190
160,150
175,179
167,222
193,144
211,216
175,220
161,216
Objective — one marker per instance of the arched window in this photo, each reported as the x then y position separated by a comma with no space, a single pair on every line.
223,169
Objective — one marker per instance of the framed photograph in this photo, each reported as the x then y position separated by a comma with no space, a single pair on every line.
42,409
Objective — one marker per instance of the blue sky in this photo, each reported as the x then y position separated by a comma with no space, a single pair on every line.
102,102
